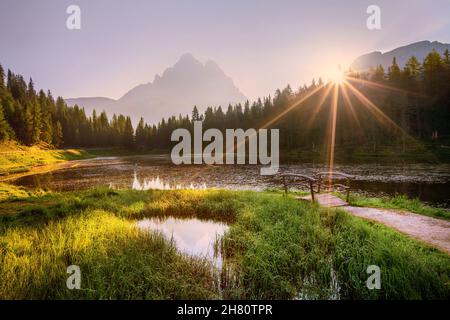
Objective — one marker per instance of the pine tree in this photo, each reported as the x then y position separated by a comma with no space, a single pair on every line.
413,67
141,133
446,59
128,134
5,129
47,130
57,136
34,129
394,71
9,80
2,78
195,114
432,67
27,134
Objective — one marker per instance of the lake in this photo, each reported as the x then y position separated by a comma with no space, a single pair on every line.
428,182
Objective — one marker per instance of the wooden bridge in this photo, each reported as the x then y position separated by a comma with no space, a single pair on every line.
321,185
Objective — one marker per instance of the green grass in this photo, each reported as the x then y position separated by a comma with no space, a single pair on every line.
284,247
276,248
15,158
399,202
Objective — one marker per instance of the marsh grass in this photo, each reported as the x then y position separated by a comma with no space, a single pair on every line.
117,262
276,248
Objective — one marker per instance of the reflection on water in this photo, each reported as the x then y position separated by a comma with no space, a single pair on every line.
428,182
191,236
158,184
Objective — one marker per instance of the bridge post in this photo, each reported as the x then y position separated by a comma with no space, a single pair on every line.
311,187
348,191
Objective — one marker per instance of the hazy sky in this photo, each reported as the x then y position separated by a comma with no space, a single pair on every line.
261,44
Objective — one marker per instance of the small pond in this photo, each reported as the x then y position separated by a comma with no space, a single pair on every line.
194,237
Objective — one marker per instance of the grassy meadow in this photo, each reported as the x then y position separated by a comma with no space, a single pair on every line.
276,248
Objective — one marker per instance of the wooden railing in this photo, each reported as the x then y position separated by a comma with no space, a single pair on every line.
325,182
298,179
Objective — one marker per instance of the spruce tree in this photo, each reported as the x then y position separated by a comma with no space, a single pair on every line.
57,134
141,133
128,136
2,78
36,116
5,129
446,59
413,67
47,130
394,71
432,72
195,114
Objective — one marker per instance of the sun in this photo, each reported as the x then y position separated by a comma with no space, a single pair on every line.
337,76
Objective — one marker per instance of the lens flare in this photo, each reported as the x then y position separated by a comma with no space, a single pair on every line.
337,76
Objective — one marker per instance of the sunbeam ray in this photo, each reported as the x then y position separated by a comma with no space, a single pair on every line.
293,106
316,111
382,86
380,115
350,106
332,128
282,114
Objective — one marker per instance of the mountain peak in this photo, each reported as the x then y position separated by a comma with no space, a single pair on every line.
187,58
185,84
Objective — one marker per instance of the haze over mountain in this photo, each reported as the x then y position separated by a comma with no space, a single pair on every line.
417,49
176,91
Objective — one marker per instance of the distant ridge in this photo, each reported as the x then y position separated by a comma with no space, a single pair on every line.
98,103
417,49
187,83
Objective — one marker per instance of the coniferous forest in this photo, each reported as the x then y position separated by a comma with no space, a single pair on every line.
416,98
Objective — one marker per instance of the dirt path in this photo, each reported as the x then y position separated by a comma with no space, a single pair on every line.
433,231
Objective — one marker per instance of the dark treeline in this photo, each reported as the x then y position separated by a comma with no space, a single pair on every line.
416,98
32,117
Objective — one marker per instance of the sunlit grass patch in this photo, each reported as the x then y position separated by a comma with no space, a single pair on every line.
15,158
10,192
117,261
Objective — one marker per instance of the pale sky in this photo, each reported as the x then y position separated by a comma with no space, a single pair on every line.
261,44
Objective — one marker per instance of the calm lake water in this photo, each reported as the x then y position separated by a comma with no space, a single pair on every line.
428,182
191,236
